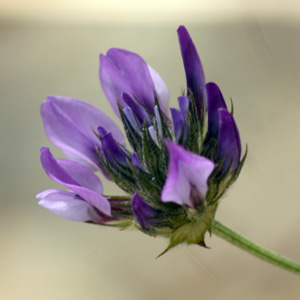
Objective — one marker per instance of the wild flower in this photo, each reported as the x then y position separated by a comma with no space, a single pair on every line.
176,168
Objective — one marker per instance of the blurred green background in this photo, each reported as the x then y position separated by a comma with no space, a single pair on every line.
251,49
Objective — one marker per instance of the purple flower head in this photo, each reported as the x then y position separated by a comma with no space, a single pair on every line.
173,173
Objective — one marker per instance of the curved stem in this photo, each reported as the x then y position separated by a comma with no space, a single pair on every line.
232,237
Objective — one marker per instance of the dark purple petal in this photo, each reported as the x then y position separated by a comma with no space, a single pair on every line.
113,152
56,172
101,131
193,68
229,145
68,205
215,101
186,182
143,212
178,122
138,109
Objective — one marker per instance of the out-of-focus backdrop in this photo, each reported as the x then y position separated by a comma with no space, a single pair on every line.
250,48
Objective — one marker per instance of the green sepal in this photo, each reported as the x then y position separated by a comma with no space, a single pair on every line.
147,187
210,147
153,157
193,232
240,166
232,107
124,180
166,129
193,131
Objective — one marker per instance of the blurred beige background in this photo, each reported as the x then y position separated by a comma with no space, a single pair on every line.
251,49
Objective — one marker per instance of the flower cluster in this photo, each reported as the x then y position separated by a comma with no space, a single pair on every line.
178,165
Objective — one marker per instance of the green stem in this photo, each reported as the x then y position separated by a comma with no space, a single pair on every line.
232,237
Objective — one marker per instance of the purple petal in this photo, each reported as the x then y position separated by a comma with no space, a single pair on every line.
56,172
215,101
229,145
161,88
193,68
68,124
87,117
113,83
125,71
186,182
68,205
82,175
113,151
63,133
143,212
122,71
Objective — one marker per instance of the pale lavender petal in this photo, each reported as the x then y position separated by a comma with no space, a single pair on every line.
215,101
65,134
68,205
143,212
229,144
160,87
82,175
113,83
87,117
187,173
193,68
60,175
134,77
